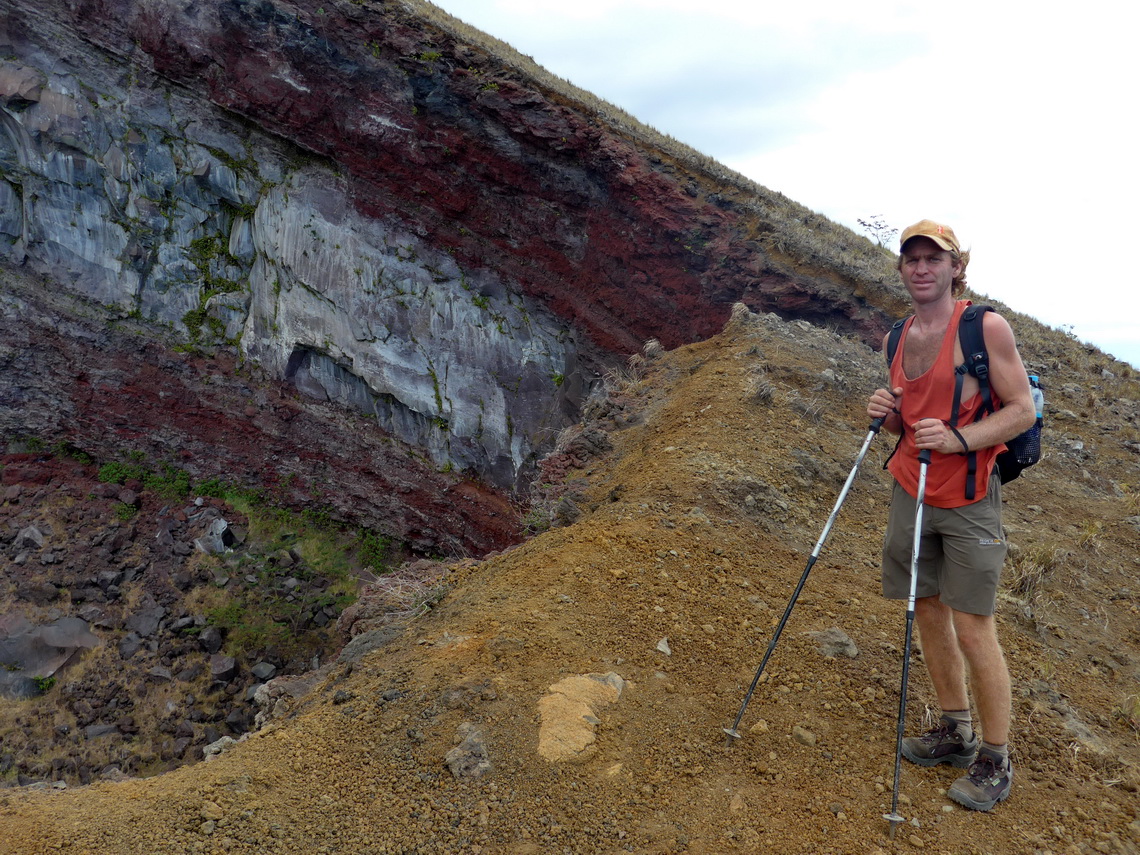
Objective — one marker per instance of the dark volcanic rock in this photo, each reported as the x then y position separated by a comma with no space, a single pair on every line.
211,639
222,668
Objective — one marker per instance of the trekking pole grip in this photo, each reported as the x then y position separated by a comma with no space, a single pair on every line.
924,456
877,424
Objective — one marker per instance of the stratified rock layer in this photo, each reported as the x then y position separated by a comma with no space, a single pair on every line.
374,212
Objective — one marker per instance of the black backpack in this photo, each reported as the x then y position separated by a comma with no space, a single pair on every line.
1023,450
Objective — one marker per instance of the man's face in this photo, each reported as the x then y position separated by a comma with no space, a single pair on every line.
927,270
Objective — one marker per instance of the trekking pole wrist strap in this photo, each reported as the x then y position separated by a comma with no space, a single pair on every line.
961,439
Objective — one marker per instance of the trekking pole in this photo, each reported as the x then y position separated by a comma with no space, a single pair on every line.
924,459
732,732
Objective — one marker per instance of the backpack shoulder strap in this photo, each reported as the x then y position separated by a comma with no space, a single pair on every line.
976,359
893,339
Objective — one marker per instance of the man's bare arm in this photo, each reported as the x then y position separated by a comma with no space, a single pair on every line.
1009,382
884,403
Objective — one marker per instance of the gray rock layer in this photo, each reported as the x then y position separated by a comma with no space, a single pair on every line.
121,189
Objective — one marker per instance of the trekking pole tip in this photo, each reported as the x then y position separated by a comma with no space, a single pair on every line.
894,819
733,735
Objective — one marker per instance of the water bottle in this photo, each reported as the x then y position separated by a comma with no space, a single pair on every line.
1038,396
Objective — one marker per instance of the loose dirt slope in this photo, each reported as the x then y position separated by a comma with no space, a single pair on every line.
694,530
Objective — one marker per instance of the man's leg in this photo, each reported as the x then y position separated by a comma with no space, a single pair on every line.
990,777
952,740
974,551
941,652
989,676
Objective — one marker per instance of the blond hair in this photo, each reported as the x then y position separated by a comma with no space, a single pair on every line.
958,287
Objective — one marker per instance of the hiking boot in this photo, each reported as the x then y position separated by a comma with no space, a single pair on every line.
943,744
987,783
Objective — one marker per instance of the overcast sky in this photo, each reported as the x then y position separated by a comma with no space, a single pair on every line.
1014,123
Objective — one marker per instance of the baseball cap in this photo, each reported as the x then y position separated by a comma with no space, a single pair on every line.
942,235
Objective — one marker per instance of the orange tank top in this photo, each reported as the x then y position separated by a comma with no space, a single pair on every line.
931,396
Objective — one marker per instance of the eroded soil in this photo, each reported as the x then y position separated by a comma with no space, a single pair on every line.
694,529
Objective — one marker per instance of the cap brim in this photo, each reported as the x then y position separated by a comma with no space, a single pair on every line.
938,239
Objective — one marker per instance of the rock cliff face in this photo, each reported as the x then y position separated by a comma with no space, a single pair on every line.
114,391
363,207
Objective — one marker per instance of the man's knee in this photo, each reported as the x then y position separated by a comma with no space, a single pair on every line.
931,609
977,634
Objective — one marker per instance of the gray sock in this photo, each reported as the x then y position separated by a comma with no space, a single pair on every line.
963,720
998,752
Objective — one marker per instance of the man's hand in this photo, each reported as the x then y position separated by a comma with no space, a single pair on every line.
884,403
936,435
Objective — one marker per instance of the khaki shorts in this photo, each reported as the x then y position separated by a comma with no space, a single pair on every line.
960,554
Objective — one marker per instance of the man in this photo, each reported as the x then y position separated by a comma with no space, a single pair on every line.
962,548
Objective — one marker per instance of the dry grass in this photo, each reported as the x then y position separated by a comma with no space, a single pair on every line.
625,380
408,596
1129,712
758,387
1088,541
810,408
1027,570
